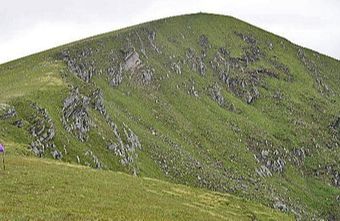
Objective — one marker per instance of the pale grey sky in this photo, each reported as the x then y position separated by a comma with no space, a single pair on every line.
31,26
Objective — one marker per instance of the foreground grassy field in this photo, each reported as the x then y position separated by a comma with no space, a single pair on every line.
35,189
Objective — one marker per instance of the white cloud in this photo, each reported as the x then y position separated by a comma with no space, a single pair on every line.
31,26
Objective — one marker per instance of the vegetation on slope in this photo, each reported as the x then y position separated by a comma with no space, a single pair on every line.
203,100
34,189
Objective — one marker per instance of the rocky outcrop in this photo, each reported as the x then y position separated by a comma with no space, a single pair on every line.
152,41
299,155
81,67
332,172
115,75
176,67
146,75
132,61
192,89
126,148
315,73
195,62
335,125
204,42
19,123
271,158
7,112
252,52
92,160
234,72
75,115
263,171
216,94
43,131
280,206
97,101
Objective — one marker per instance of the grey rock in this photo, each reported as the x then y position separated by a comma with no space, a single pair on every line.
263,171
127,151
19,123
97,101
195,62
115,75
147,75
57,155
132,61
95,160
280,206
152,41
336,124
7,112
204,42
82,68
216,94
75,115
43,131
176,68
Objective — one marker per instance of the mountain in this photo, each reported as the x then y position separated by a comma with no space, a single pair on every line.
202,100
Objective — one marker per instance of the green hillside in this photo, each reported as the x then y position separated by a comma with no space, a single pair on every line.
202,100
49,190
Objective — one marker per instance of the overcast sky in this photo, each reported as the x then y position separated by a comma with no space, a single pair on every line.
31,26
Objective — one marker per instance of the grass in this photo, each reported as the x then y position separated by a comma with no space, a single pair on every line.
42,189
195,137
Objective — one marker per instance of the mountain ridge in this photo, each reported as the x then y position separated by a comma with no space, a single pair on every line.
203,100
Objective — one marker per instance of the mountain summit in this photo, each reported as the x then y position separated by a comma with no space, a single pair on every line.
203,100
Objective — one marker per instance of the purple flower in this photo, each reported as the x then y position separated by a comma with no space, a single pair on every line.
2,148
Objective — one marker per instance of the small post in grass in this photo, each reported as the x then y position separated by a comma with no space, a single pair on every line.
2,151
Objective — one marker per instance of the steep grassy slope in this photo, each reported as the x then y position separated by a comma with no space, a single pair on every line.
203,100
33,189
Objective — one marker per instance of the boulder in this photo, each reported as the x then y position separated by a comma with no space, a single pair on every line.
132,61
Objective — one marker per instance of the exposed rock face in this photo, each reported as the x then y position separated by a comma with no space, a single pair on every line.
132,61
270,157
97,101
252,51
236,73
115,75
216,94
57,155
147,75
152,41
127,151
263,171
204,42
92,160
336,124
19,123
332,172
315,73
195,62
300,155
176,67
80,66
75,115
192,89
7,112
281,206
43,131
